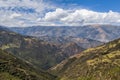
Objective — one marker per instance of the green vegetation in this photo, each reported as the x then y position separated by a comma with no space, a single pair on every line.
7,76
60,68
12,68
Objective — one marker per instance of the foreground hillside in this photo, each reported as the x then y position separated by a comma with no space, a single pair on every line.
12,68
100,63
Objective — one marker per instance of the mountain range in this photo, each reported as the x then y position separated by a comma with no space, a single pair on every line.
102,33
53,57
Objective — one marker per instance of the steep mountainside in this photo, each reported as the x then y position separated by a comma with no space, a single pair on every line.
100,63
39,53
12,68
103,33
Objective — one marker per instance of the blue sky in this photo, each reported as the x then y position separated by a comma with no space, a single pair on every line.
22,13
97,5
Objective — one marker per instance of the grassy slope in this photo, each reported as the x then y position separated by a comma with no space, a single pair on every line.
100,63
7,76
12,68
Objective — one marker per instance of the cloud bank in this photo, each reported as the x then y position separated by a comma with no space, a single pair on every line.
20,13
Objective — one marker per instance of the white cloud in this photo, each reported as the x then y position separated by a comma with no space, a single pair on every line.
38,12
84,16
38,5
56,15
22,12
15,15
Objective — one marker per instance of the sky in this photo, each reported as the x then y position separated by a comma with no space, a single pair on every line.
97,5
25,13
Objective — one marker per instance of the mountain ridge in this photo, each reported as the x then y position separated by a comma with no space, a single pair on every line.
103,33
